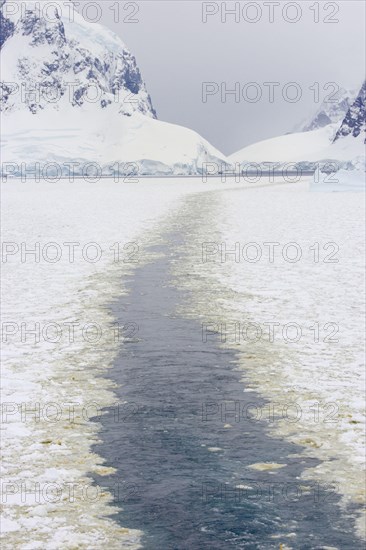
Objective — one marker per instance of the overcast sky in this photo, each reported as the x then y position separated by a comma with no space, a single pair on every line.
177,52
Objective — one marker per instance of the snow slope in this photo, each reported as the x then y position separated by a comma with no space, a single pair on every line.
124,145
302,147
288,148
72,92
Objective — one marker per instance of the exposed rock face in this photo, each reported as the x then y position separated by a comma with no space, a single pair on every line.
66,58
354,123
6,26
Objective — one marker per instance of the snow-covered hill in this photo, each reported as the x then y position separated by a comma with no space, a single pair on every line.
104,143
303,147
72,92
336,145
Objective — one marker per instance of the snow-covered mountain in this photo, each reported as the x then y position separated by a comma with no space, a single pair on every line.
72,91
354,123
332,109
339,145
69,60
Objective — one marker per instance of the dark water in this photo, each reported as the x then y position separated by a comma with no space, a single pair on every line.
173,390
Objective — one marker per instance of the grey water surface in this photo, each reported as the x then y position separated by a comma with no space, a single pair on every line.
178,462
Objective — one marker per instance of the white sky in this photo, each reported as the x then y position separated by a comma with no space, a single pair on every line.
177,52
